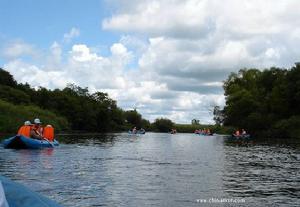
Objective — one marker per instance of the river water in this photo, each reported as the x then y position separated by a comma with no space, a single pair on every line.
158,169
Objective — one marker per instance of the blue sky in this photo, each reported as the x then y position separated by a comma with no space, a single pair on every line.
42,22
166,58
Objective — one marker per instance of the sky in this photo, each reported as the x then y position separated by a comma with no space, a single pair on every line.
165,58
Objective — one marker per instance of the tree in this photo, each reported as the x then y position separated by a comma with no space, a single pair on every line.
264,102
163,125
134,118
195,122
7,79
218,115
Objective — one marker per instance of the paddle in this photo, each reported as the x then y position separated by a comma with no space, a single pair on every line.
48,141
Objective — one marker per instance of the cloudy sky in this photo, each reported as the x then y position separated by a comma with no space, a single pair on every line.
166,58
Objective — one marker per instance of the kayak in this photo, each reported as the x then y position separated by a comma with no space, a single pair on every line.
137,132
22,142
17,195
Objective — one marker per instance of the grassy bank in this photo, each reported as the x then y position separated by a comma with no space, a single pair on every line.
13,116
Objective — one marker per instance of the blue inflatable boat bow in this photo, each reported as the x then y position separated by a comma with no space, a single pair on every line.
18,195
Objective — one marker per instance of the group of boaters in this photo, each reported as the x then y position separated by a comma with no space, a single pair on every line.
240,133
203,131
36,130
137,131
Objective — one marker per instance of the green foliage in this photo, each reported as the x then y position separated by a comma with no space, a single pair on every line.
12,95
266,103
6,78
83,111
163,125
218,115
288,127
189,128
13,116
195,122
146,125
133,118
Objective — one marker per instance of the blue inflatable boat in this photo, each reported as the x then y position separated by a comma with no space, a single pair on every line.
21,142
137,132
243,136
17,195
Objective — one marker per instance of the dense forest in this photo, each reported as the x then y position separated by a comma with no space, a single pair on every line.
266,103
72,108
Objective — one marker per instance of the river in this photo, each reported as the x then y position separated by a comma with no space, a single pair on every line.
159,169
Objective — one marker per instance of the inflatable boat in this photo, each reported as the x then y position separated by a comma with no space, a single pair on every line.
16,195
137,132
243,136
22,142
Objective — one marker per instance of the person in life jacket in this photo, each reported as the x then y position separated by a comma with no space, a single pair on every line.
48,132
237,133
36,131
25,129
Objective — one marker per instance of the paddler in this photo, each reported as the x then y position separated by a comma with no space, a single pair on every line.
36,130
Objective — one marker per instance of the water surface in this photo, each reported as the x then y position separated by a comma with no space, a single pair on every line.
159,170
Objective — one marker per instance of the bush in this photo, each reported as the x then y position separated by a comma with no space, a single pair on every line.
163,125
13,116
287,128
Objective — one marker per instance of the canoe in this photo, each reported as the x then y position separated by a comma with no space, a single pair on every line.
137,132
22,142
17,195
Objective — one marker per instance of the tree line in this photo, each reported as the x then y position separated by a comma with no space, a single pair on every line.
72,108
266,103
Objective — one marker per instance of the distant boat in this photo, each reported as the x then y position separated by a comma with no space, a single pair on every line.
199,132
242,136
173,131
140,131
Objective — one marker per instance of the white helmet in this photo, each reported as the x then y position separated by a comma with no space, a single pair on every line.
37,121
27,123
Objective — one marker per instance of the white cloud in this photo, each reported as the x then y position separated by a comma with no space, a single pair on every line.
172,55
193,45
16,49
81,53
74,32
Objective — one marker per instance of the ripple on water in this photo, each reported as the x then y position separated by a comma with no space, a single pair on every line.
158,170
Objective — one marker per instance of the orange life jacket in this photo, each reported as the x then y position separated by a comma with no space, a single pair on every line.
49,133
24,131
